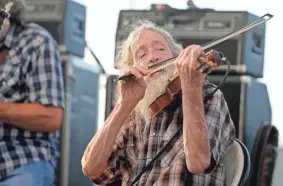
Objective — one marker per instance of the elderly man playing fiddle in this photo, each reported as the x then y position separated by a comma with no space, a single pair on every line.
132,135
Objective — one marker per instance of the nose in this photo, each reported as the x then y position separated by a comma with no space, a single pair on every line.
153,59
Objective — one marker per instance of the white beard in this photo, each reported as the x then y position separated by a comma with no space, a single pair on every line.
154,89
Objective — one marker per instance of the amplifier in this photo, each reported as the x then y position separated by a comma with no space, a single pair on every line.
64,19
198,26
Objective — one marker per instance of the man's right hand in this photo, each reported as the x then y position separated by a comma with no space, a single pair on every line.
98,151
133,92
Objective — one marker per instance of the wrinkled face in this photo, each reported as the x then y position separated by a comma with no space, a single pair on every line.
152,47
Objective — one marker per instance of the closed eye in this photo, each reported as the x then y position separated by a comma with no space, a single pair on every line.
142,56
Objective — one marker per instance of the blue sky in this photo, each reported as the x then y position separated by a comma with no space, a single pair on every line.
102,19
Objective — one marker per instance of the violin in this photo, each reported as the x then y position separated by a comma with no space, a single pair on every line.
210,61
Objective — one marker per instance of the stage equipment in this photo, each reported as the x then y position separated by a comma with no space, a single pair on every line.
64,19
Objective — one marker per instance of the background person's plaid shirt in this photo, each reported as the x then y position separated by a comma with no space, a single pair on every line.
137,145
31,73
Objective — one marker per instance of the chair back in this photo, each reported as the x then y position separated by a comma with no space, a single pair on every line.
237,164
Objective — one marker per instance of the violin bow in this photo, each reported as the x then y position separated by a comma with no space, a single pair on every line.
163,64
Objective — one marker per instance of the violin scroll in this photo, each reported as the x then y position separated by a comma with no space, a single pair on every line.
210,61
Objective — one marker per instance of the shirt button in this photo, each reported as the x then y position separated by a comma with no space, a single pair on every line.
154,133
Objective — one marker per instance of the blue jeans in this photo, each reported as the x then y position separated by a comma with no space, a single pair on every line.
33,174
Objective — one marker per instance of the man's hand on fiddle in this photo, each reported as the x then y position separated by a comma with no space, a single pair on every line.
133,92
96,156
186,64
195,132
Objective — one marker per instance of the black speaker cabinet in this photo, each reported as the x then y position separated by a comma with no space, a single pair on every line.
249,105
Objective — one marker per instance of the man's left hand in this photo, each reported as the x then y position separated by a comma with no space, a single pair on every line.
186,64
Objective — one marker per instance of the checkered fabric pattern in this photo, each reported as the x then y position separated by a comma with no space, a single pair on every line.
31,73
137,145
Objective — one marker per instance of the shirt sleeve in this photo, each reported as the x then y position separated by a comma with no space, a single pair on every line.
45,77
118,160
221,130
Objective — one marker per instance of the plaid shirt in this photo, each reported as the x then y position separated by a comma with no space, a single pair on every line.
31,73
137,145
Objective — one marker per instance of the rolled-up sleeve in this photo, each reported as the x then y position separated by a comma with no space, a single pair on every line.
118,161
45,78
221,130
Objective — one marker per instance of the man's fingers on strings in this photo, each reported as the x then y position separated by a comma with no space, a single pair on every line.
201,62
200,66
180,59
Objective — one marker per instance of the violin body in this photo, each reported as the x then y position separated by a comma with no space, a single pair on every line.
172,90
210,61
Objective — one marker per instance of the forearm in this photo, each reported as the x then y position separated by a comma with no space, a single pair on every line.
196,143
31,116
98,151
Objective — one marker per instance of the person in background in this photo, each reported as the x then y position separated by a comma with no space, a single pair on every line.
31,99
